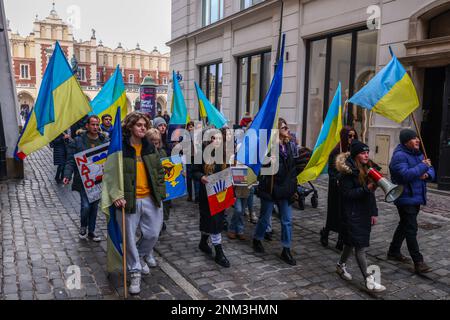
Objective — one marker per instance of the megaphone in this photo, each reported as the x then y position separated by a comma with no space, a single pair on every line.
392,191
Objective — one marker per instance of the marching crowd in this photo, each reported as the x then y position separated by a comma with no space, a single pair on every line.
351,212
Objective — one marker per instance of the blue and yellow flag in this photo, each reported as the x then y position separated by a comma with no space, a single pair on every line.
207,110
174,177
112,96
266,120
329,137
391,93
180,116
60,104
113,190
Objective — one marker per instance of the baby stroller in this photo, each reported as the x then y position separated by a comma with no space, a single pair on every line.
303,192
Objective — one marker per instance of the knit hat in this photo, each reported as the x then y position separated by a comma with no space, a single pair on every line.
357,147
406,135
158,121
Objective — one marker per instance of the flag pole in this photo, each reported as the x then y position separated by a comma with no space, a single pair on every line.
124,258
420,136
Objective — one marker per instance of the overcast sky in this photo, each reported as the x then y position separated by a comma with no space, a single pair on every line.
146,22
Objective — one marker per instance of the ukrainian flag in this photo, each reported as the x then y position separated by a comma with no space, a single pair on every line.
111,97
329,137
113,190
390,93
60,104
207,110
252,153
180,116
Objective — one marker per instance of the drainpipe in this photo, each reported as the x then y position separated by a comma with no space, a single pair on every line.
3,149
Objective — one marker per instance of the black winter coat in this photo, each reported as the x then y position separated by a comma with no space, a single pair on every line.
59,150
358,204
284,184
208,224
334,202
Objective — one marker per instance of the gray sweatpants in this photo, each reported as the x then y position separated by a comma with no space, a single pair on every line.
149,218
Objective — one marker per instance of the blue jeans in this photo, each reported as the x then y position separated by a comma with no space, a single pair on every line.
189,181
88,212
237,219
286,221
250,200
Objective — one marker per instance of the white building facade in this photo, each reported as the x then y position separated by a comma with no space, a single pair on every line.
229,47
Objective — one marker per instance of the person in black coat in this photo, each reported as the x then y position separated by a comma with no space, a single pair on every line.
333,222
278,189
60,155
359,210
211,226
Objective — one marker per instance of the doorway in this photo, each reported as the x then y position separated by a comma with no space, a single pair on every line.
435,126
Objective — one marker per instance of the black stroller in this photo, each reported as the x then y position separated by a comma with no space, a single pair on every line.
303,192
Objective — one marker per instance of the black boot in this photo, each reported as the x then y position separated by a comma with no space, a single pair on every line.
287,257
257,246
340,245
220,258
324,237
204,246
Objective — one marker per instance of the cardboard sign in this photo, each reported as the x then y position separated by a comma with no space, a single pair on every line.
90,166
174,177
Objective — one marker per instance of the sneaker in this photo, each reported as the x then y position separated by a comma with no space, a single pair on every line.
83,234
231,235
246,213
151,261
241,236
145,269
398,257
421,267
135,284
94,237
374,286
341,270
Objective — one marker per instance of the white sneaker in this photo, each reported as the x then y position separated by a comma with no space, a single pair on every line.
135,284
145,269
374,286
151,261
253,218
341,270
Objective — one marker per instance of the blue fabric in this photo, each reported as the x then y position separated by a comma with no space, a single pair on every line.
379,85
116,135
406,168
57,72
237,219
110,93
88,212
285,219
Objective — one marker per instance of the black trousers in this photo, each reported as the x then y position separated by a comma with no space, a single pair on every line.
407,229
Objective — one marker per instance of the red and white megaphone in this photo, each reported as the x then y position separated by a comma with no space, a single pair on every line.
392,191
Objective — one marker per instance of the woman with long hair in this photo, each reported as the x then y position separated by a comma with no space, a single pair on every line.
359,210
348,134
211,227
278,189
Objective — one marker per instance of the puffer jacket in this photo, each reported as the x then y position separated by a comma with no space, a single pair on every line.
406,168
358,204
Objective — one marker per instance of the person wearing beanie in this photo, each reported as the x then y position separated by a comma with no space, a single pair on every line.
359,210
409,168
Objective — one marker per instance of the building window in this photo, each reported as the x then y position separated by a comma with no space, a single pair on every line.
131,78
212,11
253,83
349,58
164,80
248,3
24,71
211,83
82,73
98,76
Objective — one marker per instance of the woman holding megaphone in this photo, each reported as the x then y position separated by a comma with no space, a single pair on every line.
359,210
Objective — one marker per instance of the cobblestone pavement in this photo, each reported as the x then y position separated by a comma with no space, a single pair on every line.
39,234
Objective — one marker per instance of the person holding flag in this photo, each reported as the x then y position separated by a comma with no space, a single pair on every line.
144,190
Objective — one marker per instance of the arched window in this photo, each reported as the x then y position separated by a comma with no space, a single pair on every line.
439,26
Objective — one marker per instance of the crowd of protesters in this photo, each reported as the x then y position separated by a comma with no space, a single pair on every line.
351,202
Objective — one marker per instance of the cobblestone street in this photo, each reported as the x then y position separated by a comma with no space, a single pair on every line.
39,241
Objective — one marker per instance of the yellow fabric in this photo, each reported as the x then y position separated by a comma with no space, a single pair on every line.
70,106
142,185
112,110
399,102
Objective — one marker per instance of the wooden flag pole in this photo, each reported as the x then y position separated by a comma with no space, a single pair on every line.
124,258
420,136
